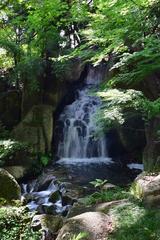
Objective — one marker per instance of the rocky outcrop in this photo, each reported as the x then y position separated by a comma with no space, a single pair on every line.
147,188
151,156
132,133
53,87
93,225
9,188
10,108
36,128
73,72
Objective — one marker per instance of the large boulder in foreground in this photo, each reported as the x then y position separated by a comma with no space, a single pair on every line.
9,188
94,225
147,188
36,128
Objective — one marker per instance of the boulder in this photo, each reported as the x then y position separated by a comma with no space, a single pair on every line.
36,128
54,196
147,188
9,188
105,207
17,171
49,225
79,208
95,225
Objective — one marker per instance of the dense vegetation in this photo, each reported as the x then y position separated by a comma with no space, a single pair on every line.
39,42
37,35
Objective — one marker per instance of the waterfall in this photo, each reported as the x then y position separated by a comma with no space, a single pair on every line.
77,124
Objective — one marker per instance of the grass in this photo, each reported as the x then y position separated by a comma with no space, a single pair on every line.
133,221
107,196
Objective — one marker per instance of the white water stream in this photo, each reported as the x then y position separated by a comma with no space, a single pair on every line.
78,142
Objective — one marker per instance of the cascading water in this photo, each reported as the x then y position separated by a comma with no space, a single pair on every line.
77,126
77,147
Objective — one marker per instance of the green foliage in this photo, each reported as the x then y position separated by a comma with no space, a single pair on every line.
98,183
107,196
80,236
15,224
117,106
44,159
137,66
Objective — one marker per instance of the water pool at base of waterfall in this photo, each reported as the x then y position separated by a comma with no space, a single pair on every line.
73,173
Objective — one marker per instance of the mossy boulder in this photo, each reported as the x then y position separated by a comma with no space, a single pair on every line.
48,223
36,128
147,189
10,108
9,188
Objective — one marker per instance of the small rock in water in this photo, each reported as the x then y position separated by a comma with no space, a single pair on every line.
47,209
54,196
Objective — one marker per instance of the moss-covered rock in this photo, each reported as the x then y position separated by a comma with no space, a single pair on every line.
9,188
10,108
37,128
147,189
17,171
48,223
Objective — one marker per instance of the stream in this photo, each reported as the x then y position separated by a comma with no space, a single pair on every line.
82,157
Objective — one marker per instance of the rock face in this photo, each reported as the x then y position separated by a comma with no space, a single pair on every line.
147,188
151,156
54,87
9,188
95,225
10,108
36,128
132,134
73,73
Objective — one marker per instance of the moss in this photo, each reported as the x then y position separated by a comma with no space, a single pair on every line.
136,190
